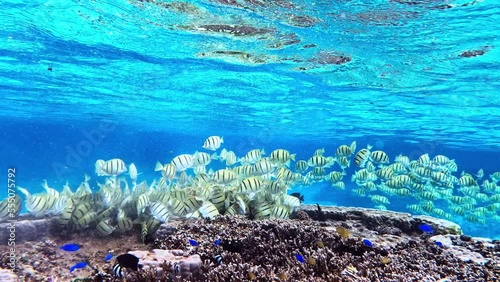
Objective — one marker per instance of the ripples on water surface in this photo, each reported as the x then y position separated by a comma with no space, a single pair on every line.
300,73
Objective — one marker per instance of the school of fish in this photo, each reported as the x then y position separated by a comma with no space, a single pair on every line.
256,185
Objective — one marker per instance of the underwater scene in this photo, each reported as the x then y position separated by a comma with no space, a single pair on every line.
250,140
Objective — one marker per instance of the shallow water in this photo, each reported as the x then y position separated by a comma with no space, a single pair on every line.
163,84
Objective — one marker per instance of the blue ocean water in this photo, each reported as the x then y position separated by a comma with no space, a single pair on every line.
147,81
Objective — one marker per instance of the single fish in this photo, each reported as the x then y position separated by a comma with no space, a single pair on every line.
343,232
70,247
298,196
128,261
300,258
108,257
367,243
217,242
193,243
218,259
320,244
426,228
439,244
81,264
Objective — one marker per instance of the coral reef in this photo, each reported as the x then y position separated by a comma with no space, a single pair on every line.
7,276
301,249
175,262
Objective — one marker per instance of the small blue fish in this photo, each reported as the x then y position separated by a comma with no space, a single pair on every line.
439,244
193,243
426,228
108,257
217,242
70,247
300,258
367,243
81,264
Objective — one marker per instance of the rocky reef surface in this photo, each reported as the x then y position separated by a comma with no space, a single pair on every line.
308,247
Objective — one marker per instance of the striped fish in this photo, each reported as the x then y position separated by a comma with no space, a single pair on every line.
167,171
319,152
378,199
466,181
201,159
203,192
10,208
336,176
118,270
253,156
244,170
280,211
385,173
263,211
379,157
201,178
291,201
103,227
218,198
317,161
276,187
80,210
159,211
40,204
249,185
404,160
263,167
123,222
142,203
112,167
344,162
192,203
424,159
301,166
339,185
345,151
85,221
213,143
362,157
103,214
224,176
177,206
282,156
441,160
231,158
318,172
152,224
209,210
183,162
64,218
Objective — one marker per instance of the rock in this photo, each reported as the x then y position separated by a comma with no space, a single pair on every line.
188,264
24,230
7,276
373,219
465,238
462,252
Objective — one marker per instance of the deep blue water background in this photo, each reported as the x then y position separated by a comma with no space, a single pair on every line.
51,151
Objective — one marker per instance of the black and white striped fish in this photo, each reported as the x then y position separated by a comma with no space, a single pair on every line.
213,143
112,167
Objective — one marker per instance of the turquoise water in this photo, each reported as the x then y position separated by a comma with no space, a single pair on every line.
307,75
